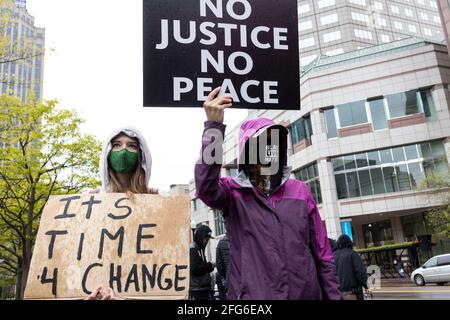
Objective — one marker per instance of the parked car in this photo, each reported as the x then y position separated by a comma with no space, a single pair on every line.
435,270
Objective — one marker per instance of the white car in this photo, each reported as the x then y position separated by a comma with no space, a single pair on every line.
435,270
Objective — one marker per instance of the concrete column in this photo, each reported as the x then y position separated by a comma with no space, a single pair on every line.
358,237
329,210
397,230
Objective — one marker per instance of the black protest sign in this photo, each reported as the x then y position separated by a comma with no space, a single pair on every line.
248,47
139,247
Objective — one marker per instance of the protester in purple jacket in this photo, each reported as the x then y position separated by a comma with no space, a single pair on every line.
278,246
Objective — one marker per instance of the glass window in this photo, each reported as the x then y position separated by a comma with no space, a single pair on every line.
431,263
374,158
377,181
398,154
310,176
385,38
425,150
352,113
338,164
378,114
386,156
390,179
381,22
353,185
411,152
308,42
301,130
331,123
361,160
403,104
416,173
304,8
363,34
427,103
325,3
398,25
328,19
358,2
341,186
305,25
403,177
444,260
349,162
388,170
360,17
365,182
331,36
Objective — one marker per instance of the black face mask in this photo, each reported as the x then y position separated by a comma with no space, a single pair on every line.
266,174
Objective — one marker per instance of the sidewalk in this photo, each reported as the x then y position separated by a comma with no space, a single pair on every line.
397,282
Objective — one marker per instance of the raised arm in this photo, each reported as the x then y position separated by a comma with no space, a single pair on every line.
210,189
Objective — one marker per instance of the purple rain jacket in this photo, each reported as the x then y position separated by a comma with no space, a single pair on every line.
278,246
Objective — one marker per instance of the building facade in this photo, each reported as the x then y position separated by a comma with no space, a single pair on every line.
331,27
374,124
22,67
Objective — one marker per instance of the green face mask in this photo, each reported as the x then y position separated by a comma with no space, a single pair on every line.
123,161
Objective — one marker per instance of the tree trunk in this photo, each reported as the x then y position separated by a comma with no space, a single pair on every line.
19,280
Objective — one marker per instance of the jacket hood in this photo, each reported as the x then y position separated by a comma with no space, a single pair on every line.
344,242
253,128
201,233
107,146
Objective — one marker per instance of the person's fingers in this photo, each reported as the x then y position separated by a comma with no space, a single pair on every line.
222,98
111,293
107,297
226,105
93,295
212,94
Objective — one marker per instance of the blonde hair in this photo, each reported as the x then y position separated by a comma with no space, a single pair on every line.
137,183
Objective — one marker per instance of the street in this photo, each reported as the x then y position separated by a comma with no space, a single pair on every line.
405,290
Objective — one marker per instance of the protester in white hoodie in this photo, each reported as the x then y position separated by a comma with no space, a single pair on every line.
125,167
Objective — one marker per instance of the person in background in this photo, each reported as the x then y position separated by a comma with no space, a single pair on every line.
223,265
350,269
200,286
332,244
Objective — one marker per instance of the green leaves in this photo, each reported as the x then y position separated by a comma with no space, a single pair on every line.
42,153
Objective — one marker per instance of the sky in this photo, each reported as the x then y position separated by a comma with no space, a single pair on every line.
93,65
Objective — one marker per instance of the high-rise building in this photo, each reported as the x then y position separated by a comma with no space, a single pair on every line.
331,27
21,3
22,67
444,6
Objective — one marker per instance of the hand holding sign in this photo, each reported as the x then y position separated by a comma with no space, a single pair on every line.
133,248
215,105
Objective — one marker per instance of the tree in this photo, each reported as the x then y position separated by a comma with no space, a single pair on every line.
438,218
42,153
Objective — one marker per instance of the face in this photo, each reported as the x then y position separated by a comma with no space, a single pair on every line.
123,141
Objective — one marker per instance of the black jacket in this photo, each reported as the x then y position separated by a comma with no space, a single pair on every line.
223,257
200,269
350,269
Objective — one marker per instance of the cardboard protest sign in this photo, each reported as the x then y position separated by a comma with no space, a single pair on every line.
139,247
248,47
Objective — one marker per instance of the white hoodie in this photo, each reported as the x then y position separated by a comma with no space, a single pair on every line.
145,152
